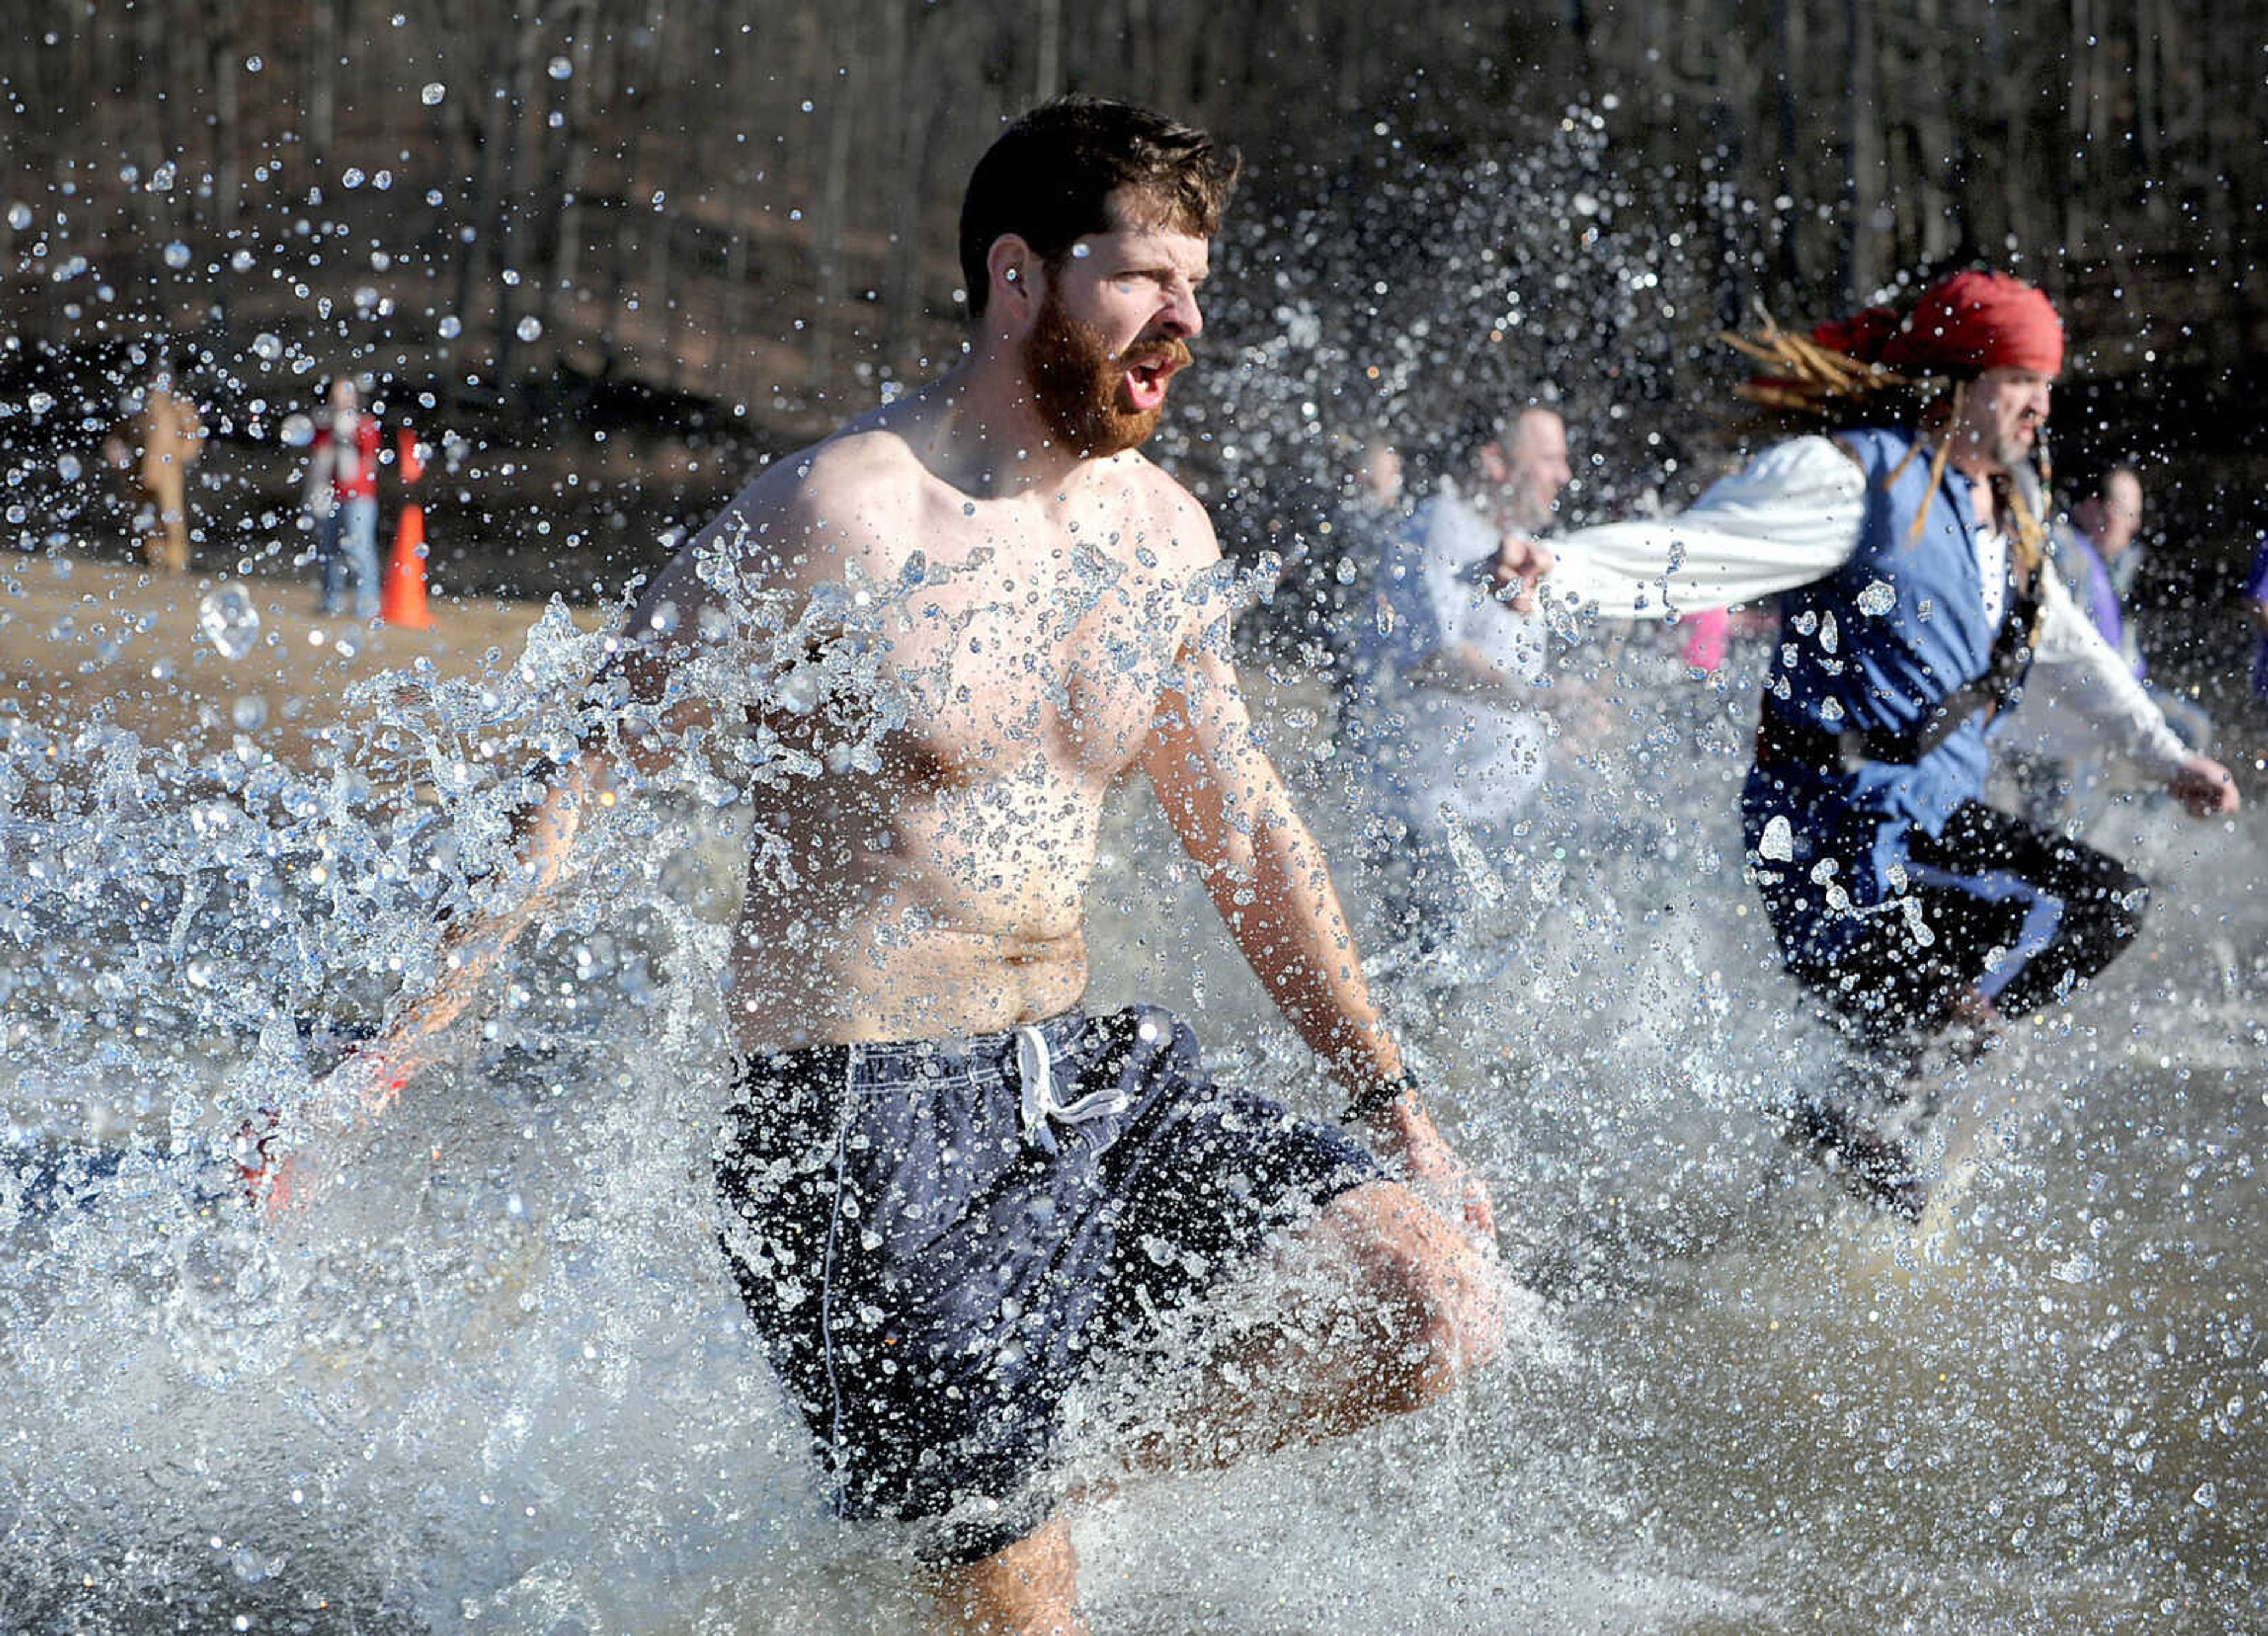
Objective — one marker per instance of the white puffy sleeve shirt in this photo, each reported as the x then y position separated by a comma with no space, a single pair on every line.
1795,515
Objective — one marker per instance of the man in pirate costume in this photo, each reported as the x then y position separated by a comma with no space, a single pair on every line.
1904,538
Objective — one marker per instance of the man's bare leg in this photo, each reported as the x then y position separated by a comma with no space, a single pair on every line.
1387,1304
1028,1590
1391,1304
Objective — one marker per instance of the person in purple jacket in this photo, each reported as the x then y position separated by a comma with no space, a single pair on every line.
2056,766
2256,603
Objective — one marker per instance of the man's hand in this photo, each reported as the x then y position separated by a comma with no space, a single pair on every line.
1520,561
263,1170
2203,786
274,1159
1408,1139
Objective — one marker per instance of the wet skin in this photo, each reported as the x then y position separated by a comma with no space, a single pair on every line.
919,870
1065,623
950,736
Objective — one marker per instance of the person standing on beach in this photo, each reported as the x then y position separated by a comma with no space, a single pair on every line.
962,617
342,489
162,437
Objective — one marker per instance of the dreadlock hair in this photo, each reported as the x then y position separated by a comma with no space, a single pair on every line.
1815,388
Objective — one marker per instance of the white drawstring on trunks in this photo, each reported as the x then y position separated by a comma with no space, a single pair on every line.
1036,1068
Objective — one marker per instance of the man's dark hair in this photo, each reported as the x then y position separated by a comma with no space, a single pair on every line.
1478,426
2100,487
1049,177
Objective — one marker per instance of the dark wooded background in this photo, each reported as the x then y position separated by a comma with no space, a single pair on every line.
716,228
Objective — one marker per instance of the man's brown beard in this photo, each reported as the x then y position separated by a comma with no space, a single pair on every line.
1078,385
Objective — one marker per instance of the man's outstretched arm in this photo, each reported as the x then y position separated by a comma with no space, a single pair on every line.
372,1075
562,798
2077,663
1268,878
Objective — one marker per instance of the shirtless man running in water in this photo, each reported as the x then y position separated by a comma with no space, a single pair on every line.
984,606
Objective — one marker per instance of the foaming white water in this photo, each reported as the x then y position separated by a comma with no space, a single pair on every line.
498,1376
2035,1412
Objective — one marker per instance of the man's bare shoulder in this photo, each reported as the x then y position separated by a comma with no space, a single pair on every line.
1173,522
810,511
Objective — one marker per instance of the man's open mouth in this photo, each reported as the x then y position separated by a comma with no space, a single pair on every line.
1146,378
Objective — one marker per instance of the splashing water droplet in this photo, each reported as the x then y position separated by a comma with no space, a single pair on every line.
1877,599
432,94
177,256
229,620
529,328
1777,841
19,217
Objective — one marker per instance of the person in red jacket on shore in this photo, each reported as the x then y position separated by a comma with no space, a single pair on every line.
342,499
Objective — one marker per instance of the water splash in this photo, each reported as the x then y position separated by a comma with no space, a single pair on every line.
500,1380
229,620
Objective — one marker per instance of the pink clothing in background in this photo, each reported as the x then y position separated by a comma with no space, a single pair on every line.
1705,638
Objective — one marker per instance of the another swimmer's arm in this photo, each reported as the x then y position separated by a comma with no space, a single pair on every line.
1793,515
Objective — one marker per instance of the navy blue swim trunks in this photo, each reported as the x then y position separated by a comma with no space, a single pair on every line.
934,1240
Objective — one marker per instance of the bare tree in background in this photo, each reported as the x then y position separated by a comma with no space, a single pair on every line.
794,243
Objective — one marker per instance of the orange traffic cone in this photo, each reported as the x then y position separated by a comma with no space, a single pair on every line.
404,601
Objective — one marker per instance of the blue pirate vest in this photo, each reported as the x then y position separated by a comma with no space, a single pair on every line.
1874,713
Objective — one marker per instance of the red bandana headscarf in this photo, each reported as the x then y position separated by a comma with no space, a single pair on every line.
1971,322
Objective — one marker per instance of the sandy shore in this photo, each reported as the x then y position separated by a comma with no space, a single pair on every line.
83,642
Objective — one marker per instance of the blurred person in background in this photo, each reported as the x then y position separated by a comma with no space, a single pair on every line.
342,498
2052,752
1446,716
160,437
2256,607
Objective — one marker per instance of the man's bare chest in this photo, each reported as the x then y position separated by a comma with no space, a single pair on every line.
988,651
